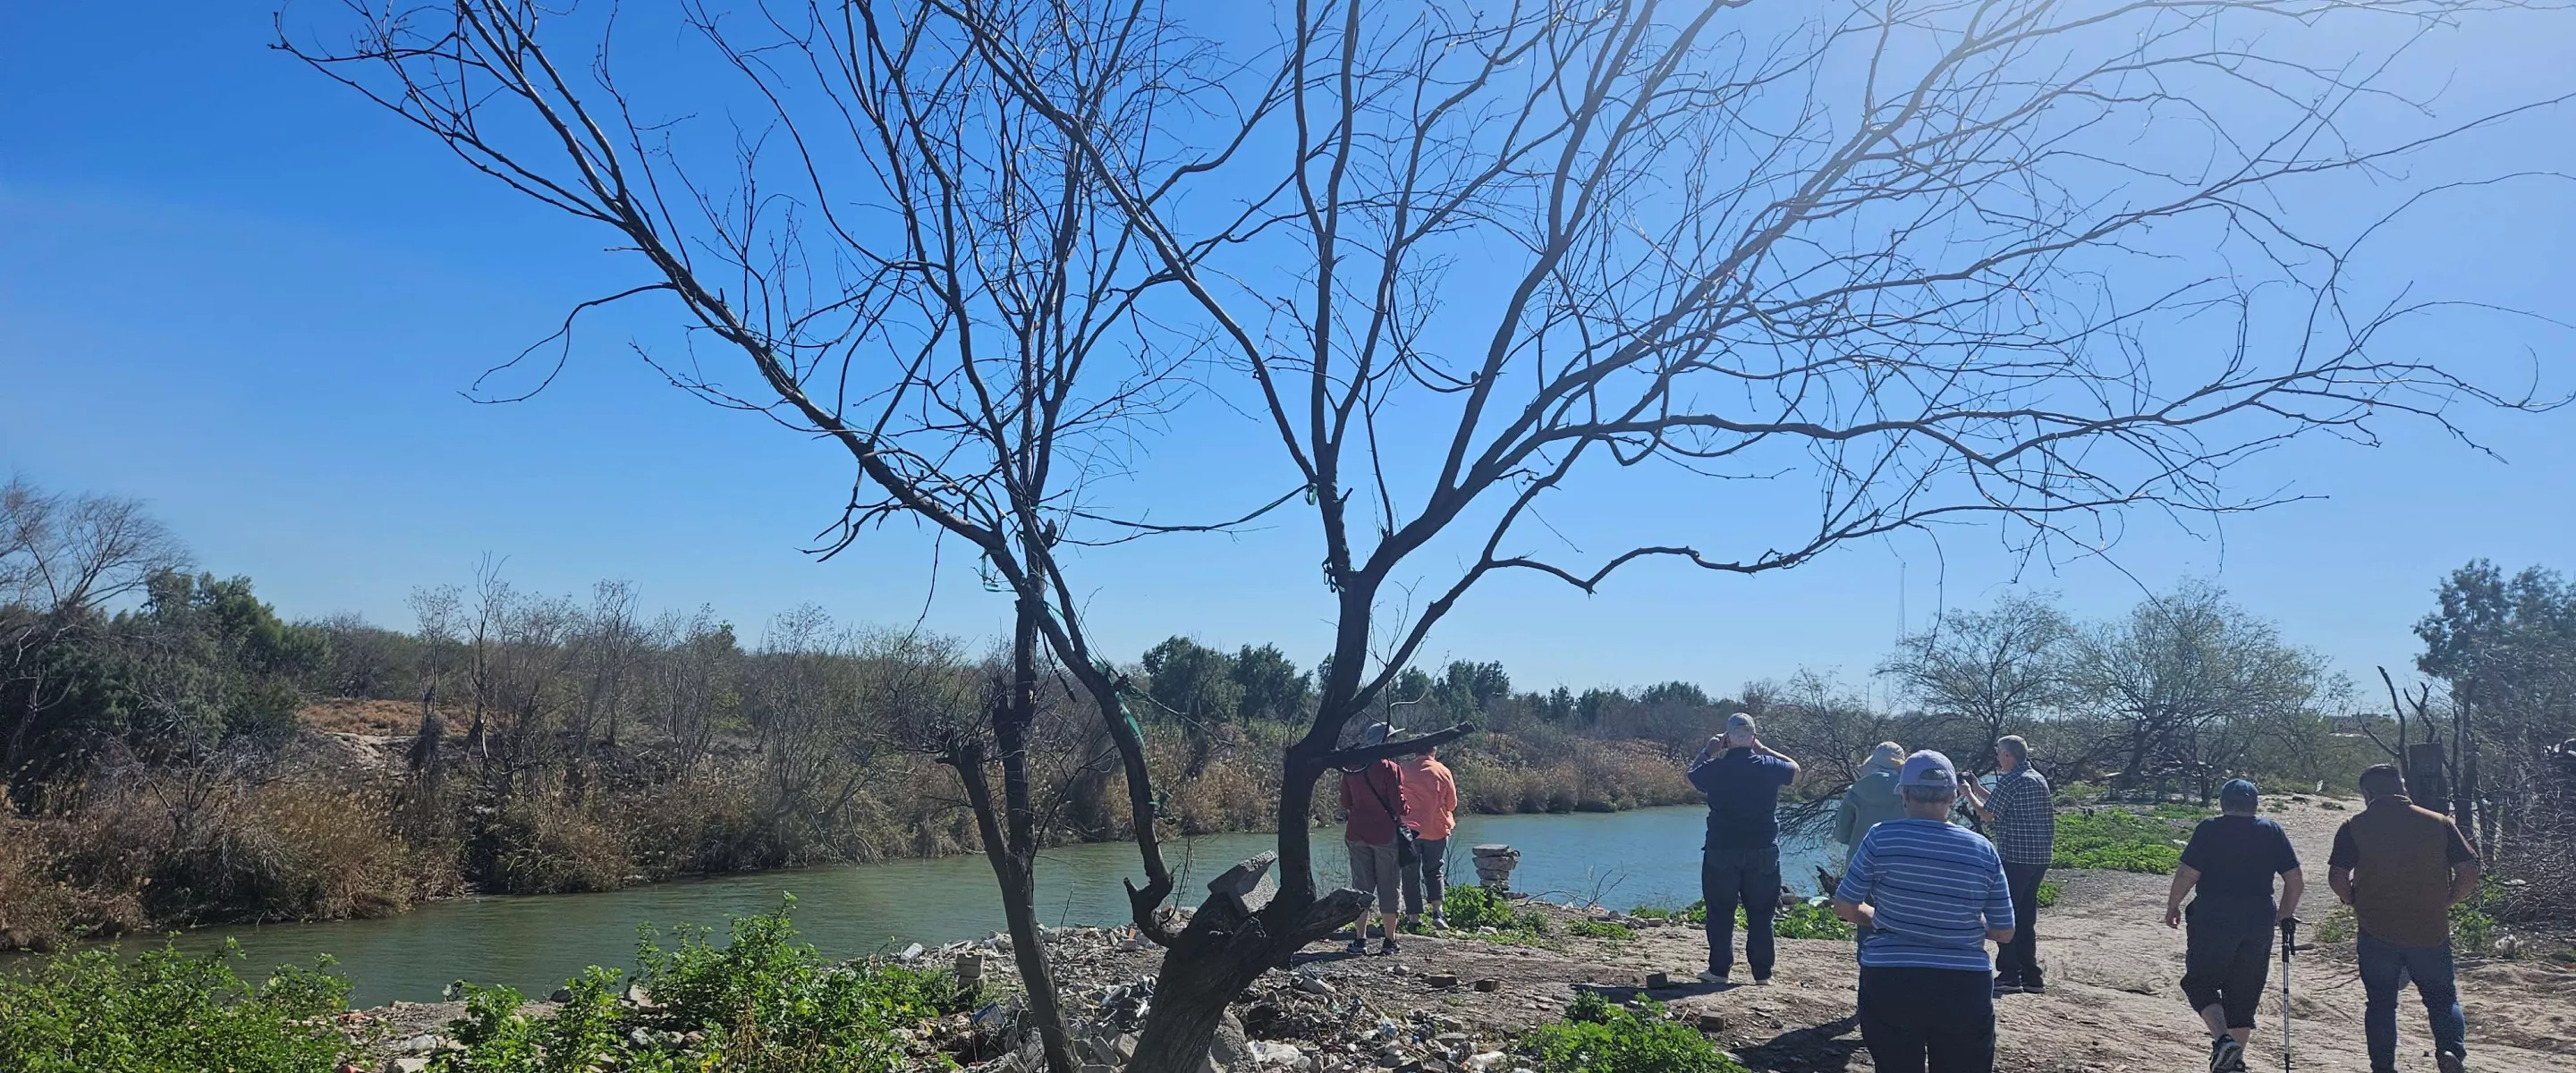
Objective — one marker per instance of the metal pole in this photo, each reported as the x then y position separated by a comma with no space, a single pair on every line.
2289,945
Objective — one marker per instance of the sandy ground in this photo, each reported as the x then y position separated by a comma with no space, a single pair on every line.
2113,1002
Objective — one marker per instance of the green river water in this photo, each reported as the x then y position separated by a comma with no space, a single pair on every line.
535,942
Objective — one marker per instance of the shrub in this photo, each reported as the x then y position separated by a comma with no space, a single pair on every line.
1598,1037
1472,907
2117,841
167,1012
763,1002
2049,890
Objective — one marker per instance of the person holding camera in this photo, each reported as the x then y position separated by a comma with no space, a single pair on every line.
1740,861
1373,801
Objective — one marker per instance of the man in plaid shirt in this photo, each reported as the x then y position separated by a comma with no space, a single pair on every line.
2024,826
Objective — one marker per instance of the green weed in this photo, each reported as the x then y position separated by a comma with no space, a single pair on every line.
1602,929
2117,841
167,1012
1599,1037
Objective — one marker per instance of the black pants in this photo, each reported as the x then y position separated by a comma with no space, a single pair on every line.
1928,1020
2018,961
1746,877
2225,966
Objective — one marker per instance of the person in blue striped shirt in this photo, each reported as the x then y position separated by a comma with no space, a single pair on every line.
1932,896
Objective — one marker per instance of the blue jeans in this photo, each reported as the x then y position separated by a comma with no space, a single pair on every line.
2385,969
1746,877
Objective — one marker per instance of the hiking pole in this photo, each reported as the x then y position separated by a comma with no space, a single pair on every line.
2289,945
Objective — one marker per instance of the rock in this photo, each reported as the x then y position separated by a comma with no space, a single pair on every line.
1267,1053
1712,1023
1489,985
1314,986
969,966
1230,1049
636,996
911,953
1658,979
410,1063
1440,979
562,994
1487,1060
420,1044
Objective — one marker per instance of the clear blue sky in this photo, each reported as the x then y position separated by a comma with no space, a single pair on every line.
232,290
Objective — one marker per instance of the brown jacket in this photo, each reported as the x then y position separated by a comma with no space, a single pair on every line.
2401,857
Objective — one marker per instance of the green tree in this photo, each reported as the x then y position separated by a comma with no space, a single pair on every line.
1271,687
1192,681
1465,689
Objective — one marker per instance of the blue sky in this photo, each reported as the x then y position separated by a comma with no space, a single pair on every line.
231,289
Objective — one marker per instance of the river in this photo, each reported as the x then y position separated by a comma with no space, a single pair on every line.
1646,856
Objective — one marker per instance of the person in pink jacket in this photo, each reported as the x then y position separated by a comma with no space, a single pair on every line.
1431,809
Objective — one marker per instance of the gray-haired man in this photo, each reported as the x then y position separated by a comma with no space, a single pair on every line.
2024,827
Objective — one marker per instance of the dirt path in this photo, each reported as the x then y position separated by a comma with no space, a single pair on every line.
2113,1003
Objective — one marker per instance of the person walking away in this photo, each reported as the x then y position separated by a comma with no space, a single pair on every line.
2024,822
1740,861
2227,948
1431,809
2401,868
1872,798
1373,799
1931,894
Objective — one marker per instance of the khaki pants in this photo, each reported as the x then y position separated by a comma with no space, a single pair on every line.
1373,869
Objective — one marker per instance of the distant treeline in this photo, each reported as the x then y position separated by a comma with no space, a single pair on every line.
177,752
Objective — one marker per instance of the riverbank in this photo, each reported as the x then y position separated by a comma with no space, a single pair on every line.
1465,1002
348,822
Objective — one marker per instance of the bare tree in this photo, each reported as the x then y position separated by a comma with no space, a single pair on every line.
62,559
1995,671
1471,257
909,264
2187,682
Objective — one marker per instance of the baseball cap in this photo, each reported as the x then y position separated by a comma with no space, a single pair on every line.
1739,721
2239,792
1375,734
1928,769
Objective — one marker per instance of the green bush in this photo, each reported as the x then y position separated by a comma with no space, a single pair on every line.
1603,929
1598,1037
167,1012
1652,912
1470,908
2117,841
762,1003
2049,889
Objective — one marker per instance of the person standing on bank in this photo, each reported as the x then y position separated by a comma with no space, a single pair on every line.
1872,799
2024,824
1431,809
1373,798
1740,862
1931,894
2227,951
2401,868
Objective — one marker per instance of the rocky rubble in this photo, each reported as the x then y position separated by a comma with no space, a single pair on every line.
1316,1018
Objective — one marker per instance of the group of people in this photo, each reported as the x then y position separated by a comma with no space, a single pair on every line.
1401,813
1926,895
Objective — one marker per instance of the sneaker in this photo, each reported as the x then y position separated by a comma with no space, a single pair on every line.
2006,985
1387,947
2031,985
1439,919
1358,946
1412,922
2226,1055
2451,1063
1761,981
1717,978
